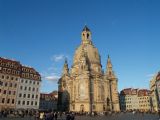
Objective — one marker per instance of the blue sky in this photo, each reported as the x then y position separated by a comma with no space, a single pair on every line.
40,33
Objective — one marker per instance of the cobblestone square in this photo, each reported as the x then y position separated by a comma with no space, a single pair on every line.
120,116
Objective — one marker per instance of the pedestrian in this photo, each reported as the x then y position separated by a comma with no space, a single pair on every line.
55,115
72,116
0,114
37,116
41,115
159,113
68,117
60,115
52,115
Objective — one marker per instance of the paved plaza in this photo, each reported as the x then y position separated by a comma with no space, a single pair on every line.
120,116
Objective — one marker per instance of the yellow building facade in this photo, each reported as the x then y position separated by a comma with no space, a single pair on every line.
85,87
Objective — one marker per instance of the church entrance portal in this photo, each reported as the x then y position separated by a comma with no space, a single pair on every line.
82,108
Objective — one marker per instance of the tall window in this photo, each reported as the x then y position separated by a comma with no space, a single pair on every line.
4,92
32,96
29,88
12,101
9,92
36,96
3,100
6,84
87,35
28,95
20,95
23,103
27,102
32,103
24,95
15,85
8,101
33,89
10,85
25,88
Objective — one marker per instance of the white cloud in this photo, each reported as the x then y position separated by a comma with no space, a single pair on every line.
52,78
150,75
57,58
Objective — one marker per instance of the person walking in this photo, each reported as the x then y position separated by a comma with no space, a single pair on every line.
41,115
159,113
37,116
68,117
55,115
72,116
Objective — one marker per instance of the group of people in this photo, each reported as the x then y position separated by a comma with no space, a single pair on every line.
16,113
3,113
54,116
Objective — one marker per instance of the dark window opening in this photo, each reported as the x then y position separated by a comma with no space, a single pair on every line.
87,35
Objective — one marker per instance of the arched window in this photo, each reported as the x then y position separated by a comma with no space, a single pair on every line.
10,85
108,101
87,35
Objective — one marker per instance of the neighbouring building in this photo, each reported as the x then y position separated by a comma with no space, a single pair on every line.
85,87
129,99
135,99
155,92
12,90
144,100
48,101
10,71
28,89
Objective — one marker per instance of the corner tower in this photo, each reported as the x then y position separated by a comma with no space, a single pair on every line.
113,83
109,71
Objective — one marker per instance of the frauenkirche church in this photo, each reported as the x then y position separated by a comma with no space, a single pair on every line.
85,87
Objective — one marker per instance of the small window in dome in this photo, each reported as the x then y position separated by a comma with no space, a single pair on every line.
87,35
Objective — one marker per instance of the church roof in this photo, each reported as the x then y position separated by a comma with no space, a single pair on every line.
86,28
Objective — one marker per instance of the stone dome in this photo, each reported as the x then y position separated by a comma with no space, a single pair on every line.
91,52
158,76
86,47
